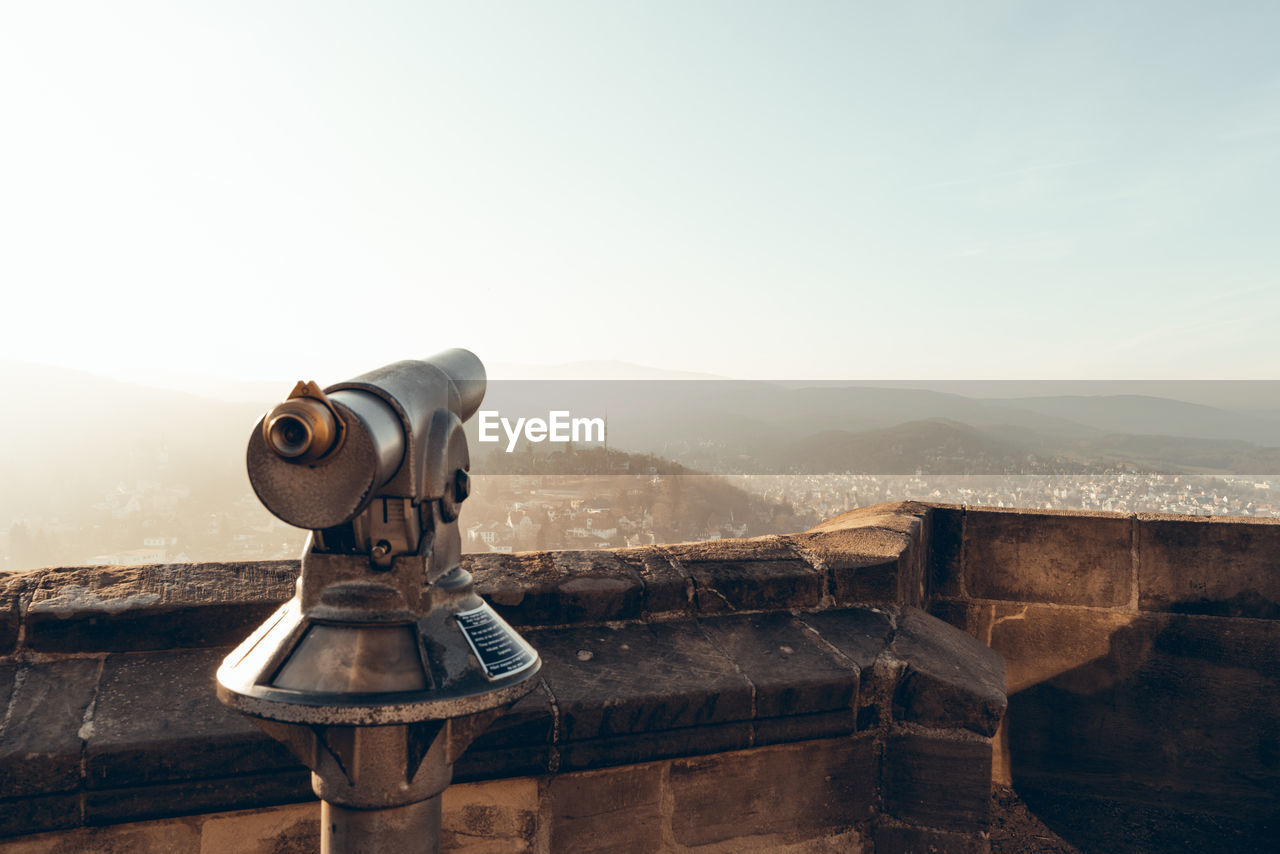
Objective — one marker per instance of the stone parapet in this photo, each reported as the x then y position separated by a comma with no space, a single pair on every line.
1142,652
780,689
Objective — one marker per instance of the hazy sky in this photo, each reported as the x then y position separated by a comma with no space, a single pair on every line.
787,189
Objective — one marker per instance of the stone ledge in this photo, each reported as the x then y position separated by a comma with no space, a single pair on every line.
854,558
1221,566
142,735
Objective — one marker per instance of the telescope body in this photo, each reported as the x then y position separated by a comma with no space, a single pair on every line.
386,664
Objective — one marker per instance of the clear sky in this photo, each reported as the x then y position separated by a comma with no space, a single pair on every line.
873,190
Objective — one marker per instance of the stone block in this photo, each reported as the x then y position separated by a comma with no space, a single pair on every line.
667,589
158,719
649,746
1041,642
41,740
530,721
558,588
38,814
790,672
1061,557
524,587
290,829
8,677
946,561
862,563
900,839
805,789
950,679
1167,824
1209,566
150,629
1177,707
120,609
892,515
938,783
859,634
169,836
516,744
501,816
12,586
514,760
748,575
251,791
639,678
616,810
963,615
791,728
596,586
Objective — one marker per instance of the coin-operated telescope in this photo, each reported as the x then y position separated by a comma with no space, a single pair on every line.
385,665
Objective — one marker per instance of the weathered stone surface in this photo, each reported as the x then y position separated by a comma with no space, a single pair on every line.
501,816
1059,557
666,588
12,585
901,839
616,810
805,788
8,674
790,672
160,744
1209,566
512,761
113,806
894,515
859,634
946,564
862,563
172,836
523,588
530,721
558,588
639,678
649,746
1167,824
597,586
1179,711
291,829
41,739
938,783
789,728
107,609
38,813
516,744
1041,642
748,575
158,718
963,615
950,679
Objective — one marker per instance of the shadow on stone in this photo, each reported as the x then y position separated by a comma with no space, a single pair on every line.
1170,742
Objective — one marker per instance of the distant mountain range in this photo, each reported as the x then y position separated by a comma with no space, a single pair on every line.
68,436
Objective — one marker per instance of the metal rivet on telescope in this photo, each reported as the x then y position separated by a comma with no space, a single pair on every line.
386,664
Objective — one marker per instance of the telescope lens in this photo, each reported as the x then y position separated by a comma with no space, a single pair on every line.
290,436
300,430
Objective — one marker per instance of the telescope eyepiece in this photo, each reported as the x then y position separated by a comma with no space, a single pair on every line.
300,430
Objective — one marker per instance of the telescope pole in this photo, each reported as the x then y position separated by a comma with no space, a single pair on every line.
412,829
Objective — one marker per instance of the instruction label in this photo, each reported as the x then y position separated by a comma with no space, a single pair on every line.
500,650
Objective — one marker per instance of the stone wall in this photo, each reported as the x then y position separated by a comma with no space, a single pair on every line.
1143,656
780,694
1143,668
